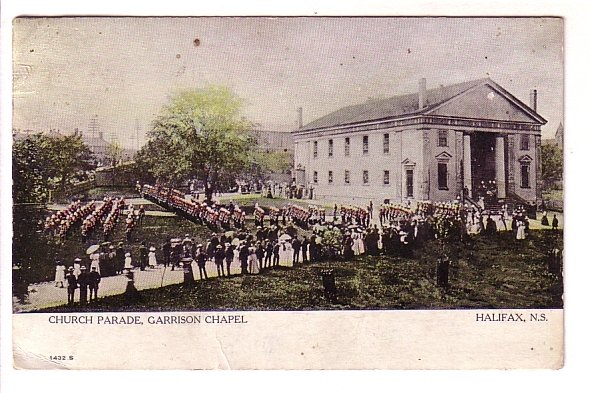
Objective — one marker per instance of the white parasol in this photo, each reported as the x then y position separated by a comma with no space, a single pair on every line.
92,249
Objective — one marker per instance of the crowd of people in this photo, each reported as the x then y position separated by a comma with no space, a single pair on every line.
350,232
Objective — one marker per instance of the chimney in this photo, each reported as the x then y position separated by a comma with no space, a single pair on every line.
100,135
533,100
300,116
422,94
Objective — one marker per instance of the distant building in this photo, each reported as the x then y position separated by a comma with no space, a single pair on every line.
273,141
559,136
99,148
434,145
557,140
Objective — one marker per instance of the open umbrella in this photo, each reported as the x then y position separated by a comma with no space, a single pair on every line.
229,233
92,249
284,237
235,242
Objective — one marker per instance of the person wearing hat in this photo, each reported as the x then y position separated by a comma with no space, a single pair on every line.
72,285
243,255
119,258
60,274
229,257
219,257
93,281
152,262
201,260
83,282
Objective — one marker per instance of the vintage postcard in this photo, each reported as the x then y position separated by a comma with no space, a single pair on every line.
287,192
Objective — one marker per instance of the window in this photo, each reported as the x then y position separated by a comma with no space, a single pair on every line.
442,176
315,149
365,144
524,142
346,176
330,147
365,177
330,177
346,147
385,143
410,183
315,177
524,176
386,178
442,138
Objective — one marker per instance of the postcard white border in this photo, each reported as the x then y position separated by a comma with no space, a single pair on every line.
577,86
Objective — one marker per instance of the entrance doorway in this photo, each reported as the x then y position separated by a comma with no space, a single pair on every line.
483,166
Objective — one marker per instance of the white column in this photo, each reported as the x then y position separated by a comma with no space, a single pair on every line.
467,163
500,170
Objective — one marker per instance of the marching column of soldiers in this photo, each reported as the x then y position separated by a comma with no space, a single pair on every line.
60,223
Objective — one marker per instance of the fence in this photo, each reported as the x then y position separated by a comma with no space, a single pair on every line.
71,190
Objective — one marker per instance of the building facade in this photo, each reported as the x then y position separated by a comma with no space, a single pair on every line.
434,145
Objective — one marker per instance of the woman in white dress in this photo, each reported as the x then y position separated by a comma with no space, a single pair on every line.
285,253
520,230
152,262
77,264
60,274
95,261
361,240
253,263
128,262
356,246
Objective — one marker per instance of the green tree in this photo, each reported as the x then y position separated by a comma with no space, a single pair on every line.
69,156
265,163
552,162
31,169
201,135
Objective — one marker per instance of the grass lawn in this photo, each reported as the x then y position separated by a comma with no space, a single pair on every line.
485,273
251,199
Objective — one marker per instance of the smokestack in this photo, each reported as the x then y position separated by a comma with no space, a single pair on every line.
533,100
422,93
300,116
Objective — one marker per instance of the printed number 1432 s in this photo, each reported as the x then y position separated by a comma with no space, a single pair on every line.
61,357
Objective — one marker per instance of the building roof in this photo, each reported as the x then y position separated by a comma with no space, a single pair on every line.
404,105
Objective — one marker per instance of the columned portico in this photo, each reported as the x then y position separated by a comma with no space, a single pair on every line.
500,169
467,182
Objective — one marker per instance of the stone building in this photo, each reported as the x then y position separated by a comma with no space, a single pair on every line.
436,144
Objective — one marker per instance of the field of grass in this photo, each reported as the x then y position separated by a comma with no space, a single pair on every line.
251,199
485,272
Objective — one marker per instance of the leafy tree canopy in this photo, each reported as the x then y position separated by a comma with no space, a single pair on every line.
551,162
39,162
198,135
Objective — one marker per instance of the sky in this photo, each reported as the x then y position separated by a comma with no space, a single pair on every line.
123,70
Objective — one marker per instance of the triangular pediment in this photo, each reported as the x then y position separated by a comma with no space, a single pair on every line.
487,102
525,159
408,162
444,156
